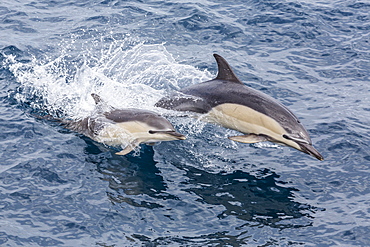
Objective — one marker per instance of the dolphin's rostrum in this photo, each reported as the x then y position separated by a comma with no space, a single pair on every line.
228,102
124,127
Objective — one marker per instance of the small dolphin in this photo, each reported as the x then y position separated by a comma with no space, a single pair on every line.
124,127
228,102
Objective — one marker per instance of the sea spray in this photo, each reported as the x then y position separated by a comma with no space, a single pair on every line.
135,77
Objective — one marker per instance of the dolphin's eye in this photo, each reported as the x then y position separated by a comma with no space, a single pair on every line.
151,132
286,137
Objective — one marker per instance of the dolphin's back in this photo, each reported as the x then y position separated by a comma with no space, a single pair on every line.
217,92
144,116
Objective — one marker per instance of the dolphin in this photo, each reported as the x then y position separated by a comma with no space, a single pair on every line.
225,100
127,128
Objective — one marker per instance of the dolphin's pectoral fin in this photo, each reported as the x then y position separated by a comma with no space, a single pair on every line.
249,138
130,147
126,150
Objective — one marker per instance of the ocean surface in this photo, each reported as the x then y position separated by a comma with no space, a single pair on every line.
59,188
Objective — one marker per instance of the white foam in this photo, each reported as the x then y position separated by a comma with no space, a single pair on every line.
135,77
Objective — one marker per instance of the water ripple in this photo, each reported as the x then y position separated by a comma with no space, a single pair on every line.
61,189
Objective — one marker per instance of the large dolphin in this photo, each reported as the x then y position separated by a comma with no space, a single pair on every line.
127,128
228,102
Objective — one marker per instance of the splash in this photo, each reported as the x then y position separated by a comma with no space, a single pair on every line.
124,76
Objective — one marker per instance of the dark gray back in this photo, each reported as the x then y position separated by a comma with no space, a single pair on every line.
148,117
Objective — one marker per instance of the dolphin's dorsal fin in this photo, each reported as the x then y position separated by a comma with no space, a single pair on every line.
96,98
101,105
224,70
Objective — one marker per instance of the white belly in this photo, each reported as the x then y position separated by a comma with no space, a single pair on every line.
248,121
122,134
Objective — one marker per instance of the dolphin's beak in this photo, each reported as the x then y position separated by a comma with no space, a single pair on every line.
169,132
309,149
177,135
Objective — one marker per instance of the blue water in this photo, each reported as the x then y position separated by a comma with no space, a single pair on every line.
58,188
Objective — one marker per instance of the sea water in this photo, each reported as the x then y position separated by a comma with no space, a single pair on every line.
59,188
